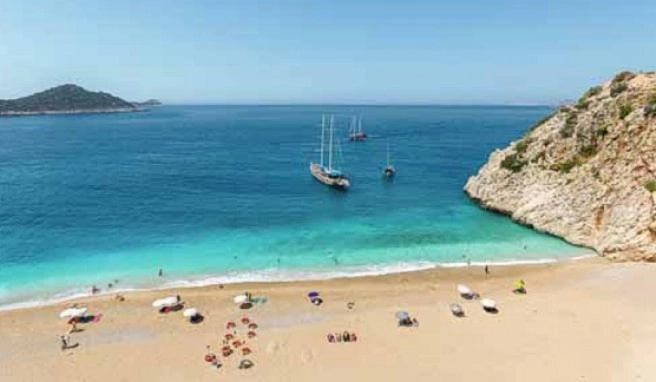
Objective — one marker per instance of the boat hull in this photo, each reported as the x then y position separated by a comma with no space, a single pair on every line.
389,172
358,137
336,182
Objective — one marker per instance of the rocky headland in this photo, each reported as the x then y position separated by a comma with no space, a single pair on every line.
586,173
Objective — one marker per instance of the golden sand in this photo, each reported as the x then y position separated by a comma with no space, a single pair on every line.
580,321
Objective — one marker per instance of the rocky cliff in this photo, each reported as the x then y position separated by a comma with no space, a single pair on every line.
586,173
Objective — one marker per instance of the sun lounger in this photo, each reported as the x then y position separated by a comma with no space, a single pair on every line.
457,310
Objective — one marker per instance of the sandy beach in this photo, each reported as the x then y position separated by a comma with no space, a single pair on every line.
586,320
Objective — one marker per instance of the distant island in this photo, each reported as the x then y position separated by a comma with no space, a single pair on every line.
150,102
68,99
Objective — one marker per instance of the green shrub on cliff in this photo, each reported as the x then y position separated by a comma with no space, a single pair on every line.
602,131
623,76
522,145
588,150
513,162
570,164
650,108
584,102
625,110
593,91
651,186
617,89
570,123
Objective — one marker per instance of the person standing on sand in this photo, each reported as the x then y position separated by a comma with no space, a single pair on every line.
64,342
487,270
73,323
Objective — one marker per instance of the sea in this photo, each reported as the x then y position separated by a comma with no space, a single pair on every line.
222,194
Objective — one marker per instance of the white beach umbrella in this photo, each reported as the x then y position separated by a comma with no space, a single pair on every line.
242,298
465,290
191,312
488,304
164,302
73,312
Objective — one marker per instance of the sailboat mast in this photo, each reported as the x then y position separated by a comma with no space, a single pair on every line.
388,155
330,145
323,126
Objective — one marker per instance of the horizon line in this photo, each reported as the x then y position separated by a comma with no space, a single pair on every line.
360,104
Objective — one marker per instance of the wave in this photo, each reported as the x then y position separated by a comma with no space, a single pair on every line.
68,295
281,275
290,275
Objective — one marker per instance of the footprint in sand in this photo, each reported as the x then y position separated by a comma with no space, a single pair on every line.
307,356
274,347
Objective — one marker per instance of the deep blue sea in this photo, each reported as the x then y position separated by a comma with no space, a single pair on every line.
224,193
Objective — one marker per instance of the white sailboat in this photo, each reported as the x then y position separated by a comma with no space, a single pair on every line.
389,170
329,176
355,132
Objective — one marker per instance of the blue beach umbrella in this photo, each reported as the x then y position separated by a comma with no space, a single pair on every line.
402,315
313,295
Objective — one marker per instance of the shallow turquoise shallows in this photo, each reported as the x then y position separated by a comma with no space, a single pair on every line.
224,193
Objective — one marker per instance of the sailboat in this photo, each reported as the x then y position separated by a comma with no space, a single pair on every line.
389,170
355,132
328,175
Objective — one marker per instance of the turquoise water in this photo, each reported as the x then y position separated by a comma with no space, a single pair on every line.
224,194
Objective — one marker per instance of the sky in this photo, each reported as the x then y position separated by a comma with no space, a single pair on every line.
325,51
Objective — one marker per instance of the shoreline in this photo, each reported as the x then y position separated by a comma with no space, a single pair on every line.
576,315
71,112
286,276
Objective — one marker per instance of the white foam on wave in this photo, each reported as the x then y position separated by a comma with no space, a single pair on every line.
68,295
289,275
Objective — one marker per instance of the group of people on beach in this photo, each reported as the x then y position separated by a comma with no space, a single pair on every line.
342,337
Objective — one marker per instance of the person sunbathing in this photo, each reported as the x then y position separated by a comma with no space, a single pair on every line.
519,287
245,364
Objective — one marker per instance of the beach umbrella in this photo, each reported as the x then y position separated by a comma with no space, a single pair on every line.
313,295
402,315
191,312
464,290
488,304
73,312
242,298
164,302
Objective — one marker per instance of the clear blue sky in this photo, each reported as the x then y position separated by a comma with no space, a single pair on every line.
313,51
